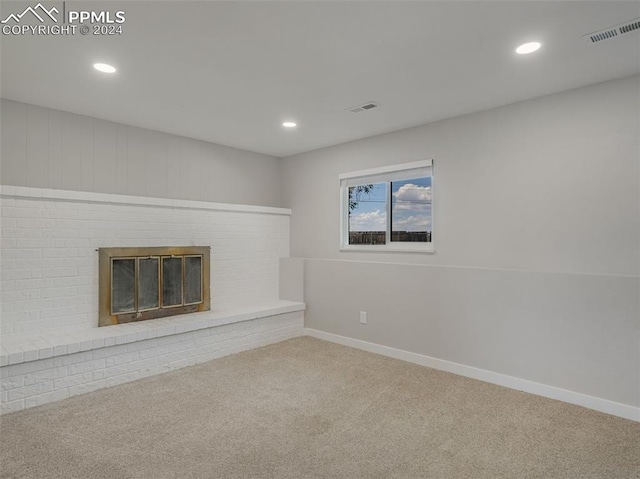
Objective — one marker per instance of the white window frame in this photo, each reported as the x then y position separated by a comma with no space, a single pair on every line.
379,175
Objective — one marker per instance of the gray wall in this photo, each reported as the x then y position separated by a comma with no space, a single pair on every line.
47,148
537,217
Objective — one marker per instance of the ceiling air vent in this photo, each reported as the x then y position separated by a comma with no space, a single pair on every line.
364,107
612,32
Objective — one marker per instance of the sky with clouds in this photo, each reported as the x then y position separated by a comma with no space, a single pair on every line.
411,207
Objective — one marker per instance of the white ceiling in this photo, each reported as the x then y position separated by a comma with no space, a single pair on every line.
231,72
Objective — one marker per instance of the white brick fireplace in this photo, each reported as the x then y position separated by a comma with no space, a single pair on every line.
52,347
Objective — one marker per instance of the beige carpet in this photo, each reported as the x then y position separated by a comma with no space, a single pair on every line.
306,408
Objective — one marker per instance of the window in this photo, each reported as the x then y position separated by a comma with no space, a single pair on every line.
388,209
146,283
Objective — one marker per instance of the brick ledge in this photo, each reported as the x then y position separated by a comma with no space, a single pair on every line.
9,191
25,347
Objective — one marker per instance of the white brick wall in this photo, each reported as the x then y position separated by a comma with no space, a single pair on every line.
51,379
51,345
49,266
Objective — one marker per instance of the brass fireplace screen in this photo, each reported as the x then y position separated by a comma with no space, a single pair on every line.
146,283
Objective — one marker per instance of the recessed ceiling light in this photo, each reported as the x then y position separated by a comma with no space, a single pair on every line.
104,68
289,124
528,48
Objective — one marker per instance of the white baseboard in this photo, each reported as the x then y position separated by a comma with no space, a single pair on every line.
571,397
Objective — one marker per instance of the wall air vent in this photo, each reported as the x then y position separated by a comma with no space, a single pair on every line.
612,32
364,107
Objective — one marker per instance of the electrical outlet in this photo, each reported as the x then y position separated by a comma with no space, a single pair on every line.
363,317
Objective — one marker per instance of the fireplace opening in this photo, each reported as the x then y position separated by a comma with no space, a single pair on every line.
137,284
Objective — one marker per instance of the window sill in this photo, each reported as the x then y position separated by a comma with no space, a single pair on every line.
429,249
